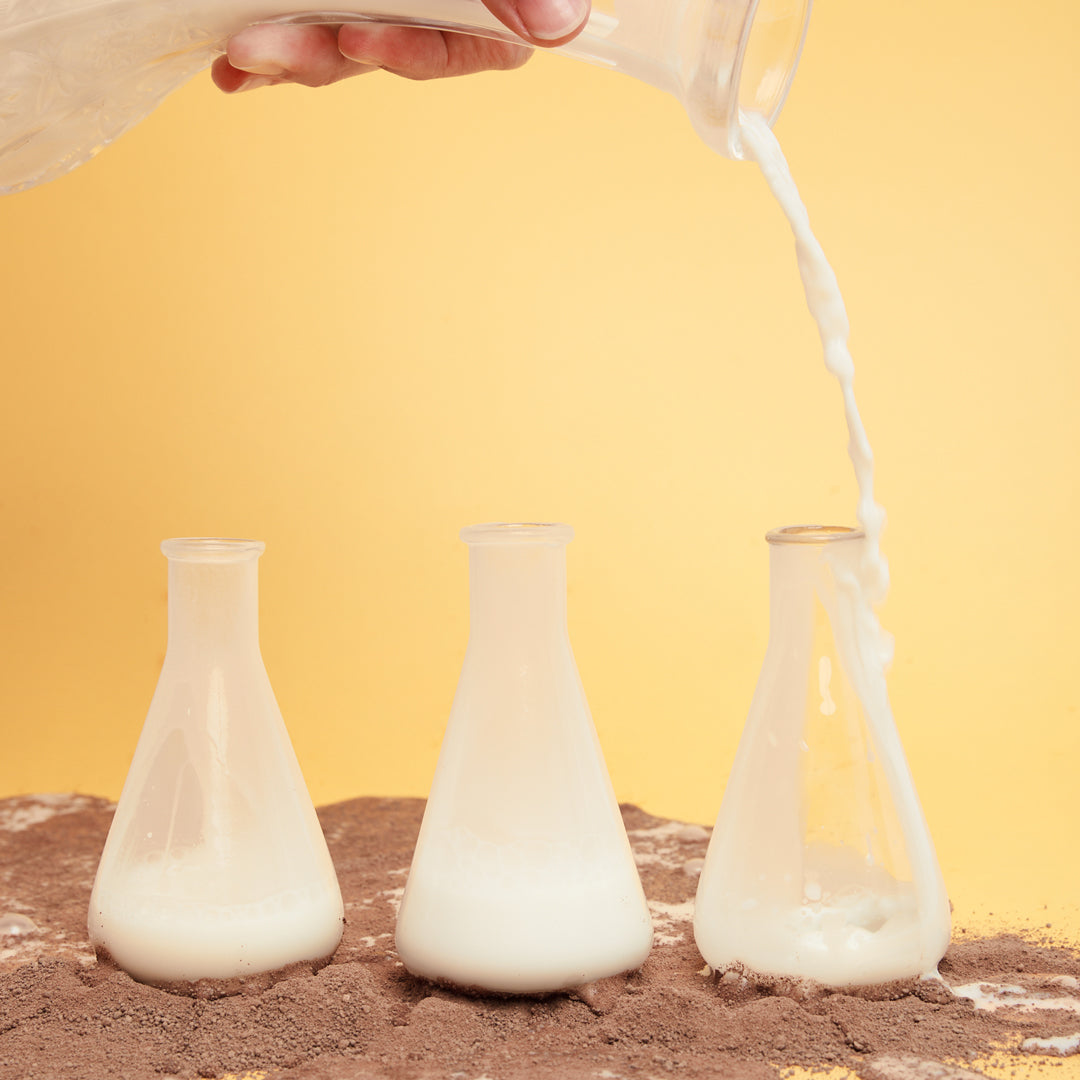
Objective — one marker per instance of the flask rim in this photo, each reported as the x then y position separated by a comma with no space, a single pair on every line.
211,549
550,533
814,534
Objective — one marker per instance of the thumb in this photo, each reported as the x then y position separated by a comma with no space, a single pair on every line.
541,22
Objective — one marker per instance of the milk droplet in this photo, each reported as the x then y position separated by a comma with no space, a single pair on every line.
692,832
12,925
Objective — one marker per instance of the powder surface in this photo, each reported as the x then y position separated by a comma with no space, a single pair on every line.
63,1015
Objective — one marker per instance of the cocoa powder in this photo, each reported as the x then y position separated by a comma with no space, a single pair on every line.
64,1014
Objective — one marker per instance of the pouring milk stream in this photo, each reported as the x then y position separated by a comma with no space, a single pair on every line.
863,945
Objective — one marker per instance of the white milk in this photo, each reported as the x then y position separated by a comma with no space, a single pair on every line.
827,310
158,924
852,928
843,923
829,943
562,926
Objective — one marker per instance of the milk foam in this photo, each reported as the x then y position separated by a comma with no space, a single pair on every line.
822,943
842,932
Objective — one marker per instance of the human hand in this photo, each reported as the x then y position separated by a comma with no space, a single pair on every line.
273,53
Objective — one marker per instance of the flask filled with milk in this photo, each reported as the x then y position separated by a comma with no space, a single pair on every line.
522,880
821,865
215,866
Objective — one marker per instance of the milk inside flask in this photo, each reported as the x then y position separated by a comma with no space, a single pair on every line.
75,74
821,865
215,866
522,880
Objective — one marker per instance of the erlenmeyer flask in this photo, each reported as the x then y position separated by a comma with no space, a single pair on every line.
76,74
522,880
215,866
821,865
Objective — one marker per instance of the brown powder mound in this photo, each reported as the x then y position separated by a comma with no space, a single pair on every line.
64,1015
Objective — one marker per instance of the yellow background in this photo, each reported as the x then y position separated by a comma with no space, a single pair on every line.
350,321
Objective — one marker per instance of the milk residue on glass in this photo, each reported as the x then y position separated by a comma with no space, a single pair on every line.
790,889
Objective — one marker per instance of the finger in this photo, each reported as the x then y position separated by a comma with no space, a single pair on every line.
542,22
232,80
304,54
426,54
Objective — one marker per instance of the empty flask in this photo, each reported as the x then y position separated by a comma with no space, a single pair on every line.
215,866
821,865
522,880
76,74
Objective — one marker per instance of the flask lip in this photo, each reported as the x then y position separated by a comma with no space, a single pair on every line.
813,534
549,533
217,549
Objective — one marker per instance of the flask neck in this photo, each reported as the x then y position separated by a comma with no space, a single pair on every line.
517,593
805,563
213,600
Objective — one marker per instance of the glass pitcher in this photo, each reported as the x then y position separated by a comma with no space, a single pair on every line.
76,74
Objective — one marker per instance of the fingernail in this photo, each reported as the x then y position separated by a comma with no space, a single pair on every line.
358,44
259,67
254,83
549,20
357,57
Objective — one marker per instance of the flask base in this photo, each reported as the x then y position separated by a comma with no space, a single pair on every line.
207,989
596,993
736,983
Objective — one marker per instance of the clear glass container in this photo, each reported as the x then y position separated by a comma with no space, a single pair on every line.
522,880
821,865
76,74
215,866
